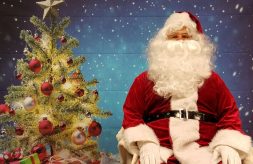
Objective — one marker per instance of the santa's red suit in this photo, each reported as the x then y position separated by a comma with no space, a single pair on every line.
191,141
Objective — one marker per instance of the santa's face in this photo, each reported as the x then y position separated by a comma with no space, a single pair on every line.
179,62
181,34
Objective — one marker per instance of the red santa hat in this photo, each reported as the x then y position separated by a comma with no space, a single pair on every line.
183,18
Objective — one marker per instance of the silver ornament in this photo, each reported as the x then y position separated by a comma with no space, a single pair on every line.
29,103
3,133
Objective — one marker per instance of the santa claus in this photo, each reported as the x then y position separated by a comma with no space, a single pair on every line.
180,110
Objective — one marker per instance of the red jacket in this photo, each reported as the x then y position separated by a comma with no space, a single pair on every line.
213,98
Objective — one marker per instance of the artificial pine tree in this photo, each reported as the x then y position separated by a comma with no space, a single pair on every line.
54,104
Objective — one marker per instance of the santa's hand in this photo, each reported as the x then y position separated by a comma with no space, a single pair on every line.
149,152
226,154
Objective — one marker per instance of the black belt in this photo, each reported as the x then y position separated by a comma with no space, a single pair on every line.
182,114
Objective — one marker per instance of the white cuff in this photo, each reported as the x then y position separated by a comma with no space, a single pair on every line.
234,139
140,132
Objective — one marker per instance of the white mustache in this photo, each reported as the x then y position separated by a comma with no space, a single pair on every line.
184,45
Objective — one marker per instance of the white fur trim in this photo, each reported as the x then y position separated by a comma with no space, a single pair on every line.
180,19
128,154
129,137
234,139
185,149
132,149
249,158
119,135
188,103
184,134
140,132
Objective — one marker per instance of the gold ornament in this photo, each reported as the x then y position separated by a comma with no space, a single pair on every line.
48,6
78,136
26,50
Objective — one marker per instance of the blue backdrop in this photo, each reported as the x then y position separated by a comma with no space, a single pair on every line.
113,36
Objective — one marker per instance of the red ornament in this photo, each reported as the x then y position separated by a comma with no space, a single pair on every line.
40,149
79,92
12,112
95,129
46,88
63,39
60,98
35,65
45,127
70,61
4,108
19,76
19,131
36,37
7,156
17,154
2,160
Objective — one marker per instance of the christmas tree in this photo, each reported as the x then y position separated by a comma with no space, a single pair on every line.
54,104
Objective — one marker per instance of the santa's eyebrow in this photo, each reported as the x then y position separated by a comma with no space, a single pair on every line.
172,34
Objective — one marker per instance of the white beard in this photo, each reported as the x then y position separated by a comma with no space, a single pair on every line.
179,68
